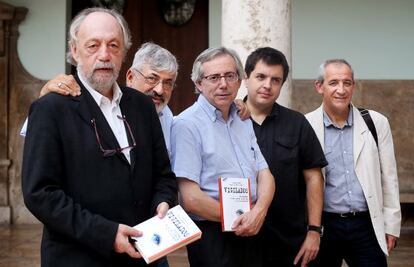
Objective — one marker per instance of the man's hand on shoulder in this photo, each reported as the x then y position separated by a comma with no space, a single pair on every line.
242,110
61,84
122,244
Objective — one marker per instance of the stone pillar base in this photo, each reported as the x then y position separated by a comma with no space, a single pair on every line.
5,215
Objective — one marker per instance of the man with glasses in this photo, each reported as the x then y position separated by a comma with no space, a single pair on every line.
96,164
153,72
209,141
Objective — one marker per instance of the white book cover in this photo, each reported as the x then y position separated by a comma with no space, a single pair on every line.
163,236
235,199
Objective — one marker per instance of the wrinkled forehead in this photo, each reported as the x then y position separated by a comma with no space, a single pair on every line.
100,25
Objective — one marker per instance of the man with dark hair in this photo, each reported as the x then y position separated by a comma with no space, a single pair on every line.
292,229
95,165
361,213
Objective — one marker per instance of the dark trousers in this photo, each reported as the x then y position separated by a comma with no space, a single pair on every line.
223,249
280,255
351,239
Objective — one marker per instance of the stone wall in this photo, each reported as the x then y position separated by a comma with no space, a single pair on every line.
394,99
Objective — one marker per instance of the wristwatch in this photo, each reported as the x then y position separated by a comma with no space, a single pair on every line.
315,228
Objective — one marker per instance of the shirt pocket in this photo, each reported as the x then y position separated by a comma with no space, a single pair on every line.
286,149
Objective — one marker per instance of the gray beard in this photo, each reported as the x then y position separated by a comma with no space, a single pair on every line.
101,86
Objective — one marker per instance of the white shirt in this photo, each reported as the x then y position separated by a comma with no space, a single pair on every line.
110,109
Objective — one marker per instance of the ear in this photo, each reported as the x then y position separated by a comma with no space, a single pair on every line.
198,86
74,52
318,87
129,77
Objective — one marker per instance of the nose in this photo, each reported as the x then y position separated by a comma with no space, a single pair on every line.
340,88
159,88
267,83
222,81
103,53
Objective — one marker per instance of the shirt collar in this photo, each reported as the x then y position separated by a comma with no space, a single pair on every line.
275,108
349,122
212,112
98,97
165,110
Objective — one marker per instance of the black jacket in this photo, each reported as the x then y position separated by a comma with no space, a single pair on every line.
78,194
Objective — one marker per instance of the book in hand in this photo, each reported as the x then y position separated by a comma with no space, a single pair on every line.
235,199
163,236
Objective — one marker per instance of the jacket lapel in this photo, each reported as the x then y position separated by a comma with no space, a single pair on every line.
359,130
129,110
88,110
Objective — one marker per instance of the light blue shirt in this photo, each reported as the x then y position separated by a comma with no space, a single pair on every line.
166,119
343,192
206,147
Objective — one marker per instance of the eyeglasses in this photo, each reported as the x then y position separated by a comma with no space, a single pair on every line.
111,152
154,81
229,77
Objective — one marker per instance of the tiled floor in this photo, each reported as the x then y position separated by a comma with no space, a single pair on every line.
19,247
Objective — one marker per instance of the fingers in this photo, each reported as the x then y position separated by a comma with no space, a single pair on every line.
298,256
61,84
122,244
162,209
391,242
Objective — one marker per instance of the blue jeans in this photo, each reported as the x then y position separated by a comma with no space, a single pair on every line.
351,239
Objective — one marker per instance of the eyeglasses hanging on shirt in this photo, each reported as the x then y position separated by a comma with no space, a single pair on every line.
111,152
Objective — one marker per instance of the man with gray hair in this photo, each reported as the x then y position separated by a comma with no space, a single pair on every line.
95,164
209,141
153,72
361,213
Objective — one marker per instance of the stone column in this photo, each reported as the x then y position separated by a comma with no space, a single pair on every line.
249,24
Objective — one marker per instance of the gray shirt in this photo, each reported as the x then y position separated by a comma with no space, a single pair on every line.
343,192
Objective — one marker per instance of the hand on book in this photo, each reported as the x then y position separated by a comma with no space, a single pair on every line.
162,209
249,223
122,244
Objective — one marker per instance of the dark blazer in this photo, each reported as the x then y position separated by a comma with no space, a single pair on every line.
78,194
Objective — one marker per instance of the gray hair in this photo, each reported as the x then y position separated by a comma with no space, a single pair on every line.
80,17
211,53
156,57
322,68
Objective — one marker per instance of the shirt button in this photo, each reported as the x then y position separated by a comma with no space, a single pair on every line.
344,152
350,192
347,171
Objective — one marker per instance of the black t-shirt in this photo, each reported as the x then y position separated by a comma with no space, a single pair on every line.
289,145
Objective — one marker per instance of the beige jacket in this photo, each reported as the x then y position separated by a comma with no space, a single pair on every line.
376,171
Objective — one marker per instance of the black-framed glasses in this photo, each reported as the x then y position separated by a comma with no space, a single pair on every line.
229,77
111,152
154,81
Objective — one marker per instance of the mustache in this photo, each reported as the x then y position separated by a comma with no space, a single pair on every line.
154,94
104,65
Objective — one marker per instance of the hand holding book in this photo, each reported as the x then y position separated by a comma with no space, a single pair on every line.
249,223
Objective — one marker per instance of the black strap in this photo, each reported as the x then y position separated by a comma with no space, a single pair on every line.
368,120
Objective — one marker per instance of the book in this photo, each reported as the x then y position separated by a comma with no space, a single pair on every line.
163,236
235,199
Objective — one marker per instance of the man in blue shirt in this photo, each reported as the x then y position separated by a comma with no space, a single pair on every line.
209,141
